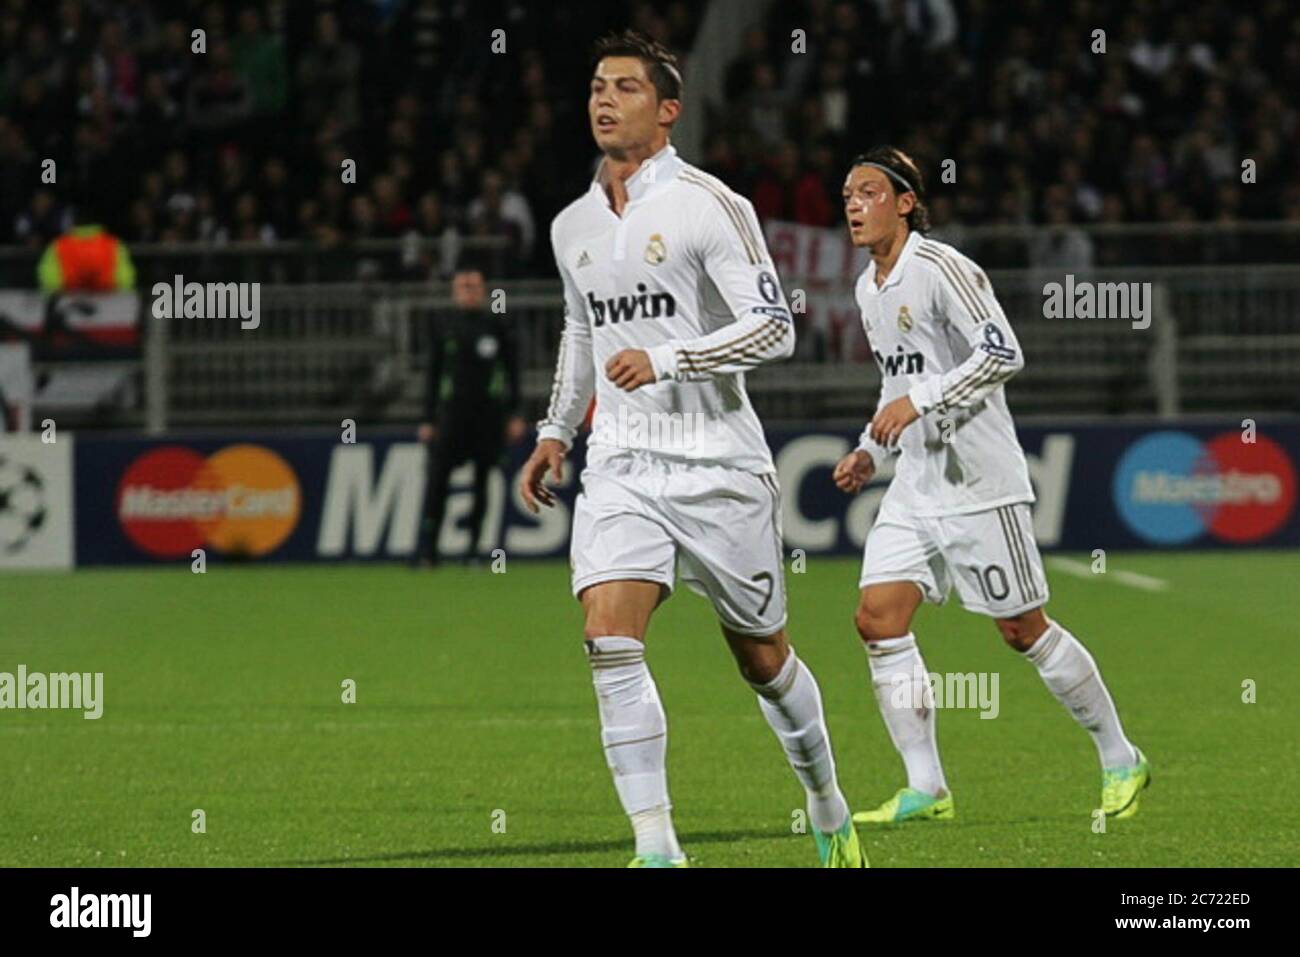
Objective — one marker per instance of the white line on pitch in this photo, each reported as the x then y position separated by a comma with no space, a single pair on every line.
1132,579
1137,580
1071,567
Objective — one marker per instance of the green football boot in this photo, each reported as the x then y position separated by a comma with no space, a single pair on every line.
840,848
657,860
1120,787
909,804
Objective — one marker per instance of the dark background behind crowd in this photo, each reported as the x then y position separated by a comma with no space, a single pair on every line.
246,141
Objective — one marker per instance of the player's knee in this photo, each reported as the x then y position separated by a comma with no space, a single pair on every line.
615,609
878,621
759,670
609,626
1022,631
603,620
761,660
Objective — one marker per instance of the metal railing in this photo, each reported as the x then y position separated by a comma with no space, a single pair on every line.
1220,339
993,247
282,262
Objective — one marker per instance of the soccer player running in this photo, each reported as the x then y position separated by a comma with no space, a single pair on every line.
958,510
670,296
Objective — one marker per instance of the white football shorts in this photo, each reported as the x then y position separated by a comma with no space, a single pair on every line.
991,557
640,514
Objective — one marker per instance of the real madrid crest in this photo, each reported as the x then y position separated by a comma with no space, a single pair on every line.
904,319
655,250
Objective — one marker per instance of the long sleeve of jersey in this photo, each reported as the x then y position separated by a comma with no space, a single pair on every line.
735,258
973,311
879,453
575,376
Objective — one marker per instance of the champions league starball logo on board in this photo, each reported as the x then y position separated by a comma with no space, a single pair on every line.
1171,488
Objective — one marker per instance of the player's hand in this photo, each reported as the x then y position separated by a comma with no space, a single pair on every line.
516,427
889,423
427,432
630,369
547,457
853,471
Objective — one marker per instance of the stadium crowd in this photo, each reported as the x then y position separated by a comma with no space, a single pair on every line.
247,141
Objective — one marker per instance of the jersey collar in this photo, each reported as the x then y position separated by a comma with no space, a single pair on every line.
654,172
896,274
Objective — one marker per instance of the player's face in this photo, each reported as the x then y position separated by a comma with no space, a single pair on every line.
623,107
871,206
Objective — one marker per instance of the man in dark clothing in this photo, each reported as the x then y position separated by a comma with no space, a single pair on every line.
471,403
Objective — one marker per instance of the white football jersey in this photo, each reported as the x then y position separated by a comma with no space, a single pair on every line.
685,275
940,337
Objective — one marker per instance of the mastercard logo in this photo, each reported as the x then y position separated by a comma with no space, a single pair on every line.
243,500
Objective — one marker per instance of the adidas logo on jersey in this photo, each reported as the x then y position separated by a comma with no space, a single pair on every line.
627,308
583,260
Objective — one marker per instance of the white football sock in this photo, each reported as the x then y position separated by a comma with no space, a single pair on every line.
1072,675
792,704
899,679
635,734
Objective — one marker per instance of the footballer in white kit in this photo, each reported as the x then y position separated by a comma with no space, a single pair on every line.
670,296
957,513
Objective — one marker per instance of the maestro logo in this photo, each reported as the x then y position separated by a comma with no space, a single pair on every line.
1171,487
242,500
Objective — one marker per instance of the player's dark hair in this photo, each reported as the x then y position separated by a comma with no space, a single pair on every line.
660,64
905,176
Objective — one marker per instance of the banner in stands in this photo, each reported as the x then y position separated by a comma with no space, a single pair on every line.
824,265
312,498
36,503
70,321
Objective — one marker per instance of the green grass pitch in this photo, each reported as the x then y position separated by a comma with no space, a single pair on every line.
474,741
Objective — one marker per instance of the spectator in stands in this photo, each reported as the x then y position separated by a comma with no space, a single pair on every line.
763,105
391,211
249,223
87,258
498,211
116,68
931,24
432,242
274,196
173,61
787,191
1186,92
259,58
219,96
471,405
42,220
329,75
754,50
1063,246
143,223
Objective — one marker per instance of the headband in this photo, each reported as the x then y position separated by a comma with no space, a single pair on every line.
676,76
907,187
